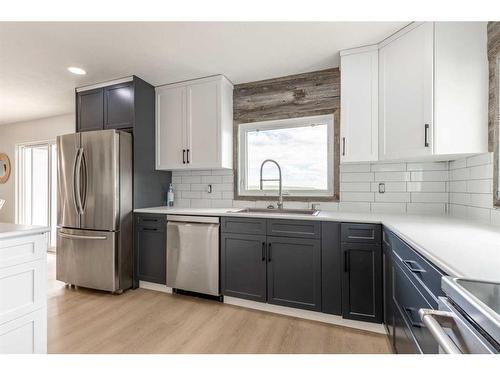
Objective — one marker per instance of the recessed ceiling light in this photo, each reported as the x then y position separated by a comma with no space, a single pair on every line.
75,70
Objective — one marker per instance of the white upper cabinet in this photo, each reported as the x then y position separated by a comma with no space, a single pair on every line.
359,104
433,87
194,124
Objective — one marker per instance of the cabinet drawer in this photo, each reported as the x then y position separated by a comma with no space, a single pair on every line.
22,249
409,300
25,335
22,289
423,273
294,228
243,225
151,221
403,340
361,233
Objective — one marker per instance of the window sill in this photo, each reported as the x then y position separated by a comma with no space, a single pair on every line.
253,198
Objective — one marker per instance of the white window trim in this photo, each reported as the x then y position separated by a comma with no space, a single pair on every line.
243,129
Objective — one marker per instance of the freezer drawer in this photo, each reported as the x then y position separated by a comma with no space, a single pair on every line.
193,256
87,258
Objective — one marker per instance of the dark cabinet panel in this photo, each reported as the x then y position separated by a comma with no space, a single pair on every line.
361,233
119,106
294,272
150,249
243,266
403,340
294,228
362,282
243,225
331,268
388,285
90,110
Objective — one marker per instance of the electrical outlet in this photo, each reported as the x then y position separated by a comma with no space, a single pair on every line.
381,188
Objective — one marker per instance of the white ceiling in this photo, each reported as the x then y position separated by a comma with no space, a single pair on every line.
35,83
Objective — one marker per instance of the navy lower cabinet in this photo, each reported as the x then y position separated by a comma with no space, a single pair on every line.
388,285
294,272
362,286
331,269
243,266
150,248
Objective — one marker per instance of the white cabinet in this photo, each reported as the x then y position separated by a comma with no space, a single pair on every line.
23,293
194,124
433,87
359,103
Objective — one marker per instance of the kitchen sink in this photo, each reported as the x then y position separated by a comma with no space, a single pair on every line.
283,211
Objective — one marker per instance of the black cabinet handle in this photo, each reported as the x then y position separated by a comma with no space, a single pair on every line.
343,146
426,135
269,254
410,265
187,155
151,229
346,261
183,156
151,220
409,312
263,251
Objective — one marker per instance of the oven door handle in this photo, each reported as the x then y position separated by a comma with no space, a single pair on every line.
430,319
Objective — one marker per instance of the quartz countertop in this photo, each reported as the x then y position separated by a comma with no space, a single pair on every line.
14,230
459,247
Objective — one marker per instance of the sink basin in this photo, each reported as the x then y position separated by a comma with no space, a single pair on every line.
283,211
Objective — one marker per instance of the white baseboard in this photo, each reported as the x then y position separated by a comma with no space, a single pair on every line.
305,314
154,286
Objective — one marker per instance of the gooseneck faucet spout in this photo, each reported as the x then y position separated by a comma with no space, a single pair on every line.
280,196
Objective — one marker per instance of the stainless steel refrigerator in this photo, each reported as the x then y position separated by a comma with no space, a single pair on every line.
94,235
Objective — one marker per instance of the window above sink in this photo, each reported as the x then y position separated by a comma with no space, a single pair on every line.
303,147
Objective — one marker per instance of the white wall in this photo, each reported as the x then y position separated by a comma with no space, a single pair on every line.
30,131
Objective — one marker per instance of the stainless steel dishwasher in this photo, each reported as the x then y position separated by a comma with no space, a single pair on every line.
193,253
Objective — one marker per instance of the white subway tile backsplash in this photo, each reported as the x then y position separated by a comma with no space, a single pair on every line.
199,187
392,186
437,166
356,177
480,172
392,176
228,179
480,186
191,179
355,196
201,203
481,200
426,186
354,206
388,208
461,174
456,164
227,195
212,195
211,179
222,172
181,187
392,197
458,210
344,168
480,159
479,214
176,179
426,208
495,216
429,197
460,198
457,186
429,176
328,206
354,186
222,203
182,203
382,167
190,194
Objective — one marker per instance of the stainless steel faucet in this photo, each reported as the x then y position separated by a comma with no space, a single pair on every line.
280,197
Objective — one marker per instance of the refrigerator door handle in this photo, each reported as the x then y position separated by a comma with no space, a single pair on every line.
83,184
80,237
76,181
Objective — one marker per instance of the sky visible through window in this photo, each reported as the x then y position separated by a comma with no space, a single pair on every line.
302,153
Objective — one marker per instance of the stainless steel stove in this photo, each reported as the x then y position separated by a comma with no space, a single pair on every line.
468,320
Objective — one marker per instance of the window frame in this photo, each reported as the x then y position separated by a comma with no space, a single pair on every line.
295,122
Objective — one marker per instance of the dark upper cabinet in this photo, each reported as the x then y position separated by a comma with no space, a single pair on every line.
243,266
119,106
150,249
362,282
294,272
90,109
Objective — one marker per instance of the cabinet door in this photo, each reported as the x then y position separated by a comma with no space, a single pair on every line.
406,94
294,272
388,285
150,247
362,282
171,128
243,266
119,106
90,110
359,103
203,124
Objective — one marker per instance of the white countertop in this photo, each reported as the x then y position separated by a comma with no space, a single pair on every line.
460,248
14,230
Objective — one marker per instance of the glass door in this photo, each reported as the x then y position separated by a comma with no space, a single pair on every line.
36,184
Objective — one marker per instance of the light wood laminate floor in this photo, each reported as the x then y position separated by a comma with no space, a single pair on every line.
144,321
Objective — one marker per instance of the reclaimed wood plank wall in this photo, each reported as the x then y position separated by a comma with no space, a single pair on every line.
299,95
493,103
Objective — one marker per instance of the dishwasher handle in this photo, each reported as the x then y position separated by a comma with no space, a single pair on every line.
432,319
193,219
